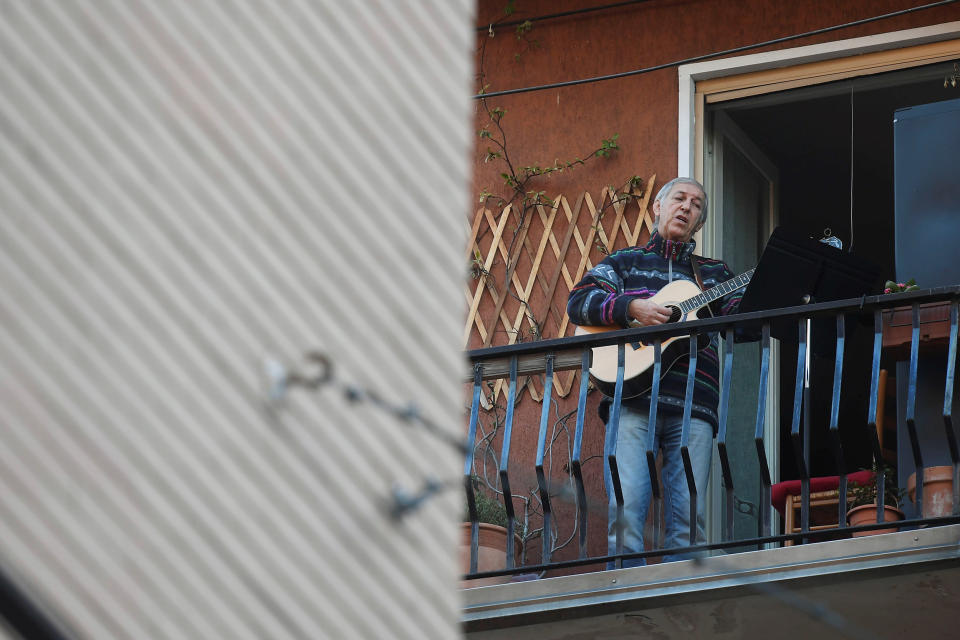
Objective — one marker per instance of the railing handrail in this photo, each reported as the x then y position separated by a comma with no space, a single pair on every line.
865,304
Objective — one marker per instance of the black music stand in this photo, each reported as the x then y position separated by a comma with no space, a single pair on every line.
795,270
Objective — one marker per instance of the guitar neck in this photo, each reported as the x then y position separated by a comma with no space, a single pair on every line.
716,292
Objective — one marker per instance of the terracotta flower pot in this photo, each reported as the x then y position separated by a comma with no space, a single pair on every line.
937,490
491,553
867,514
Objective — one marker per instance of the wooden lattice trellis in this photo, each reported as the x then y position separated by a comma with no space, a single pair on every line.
525,268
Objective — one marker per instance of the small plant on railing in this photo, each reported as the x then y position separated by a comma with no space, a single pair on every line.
865,494
899,287
863,501
862,504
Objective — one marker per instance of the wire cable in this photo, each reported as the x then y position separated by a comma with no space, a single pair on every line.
562,14
850,248
677,63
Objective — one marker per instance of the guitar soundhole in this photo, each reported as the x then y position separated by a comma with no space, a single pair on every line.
675,313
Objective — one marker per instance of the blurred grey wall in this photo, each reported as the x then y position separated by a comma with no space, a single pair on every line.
193,194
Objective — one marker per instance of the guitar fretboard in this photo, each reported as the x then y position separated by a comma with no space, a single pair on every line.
716,292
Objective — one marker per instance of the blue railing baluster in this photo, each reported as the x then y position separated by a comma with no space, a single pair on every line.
655,491
765,482
685,438
796,437
722,411
872,434
875,388
468,468
505,461
613,428
912,409
576,462
542,481
835,419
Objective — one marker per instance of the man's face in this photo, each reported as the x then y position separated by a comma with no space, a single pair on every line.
679,212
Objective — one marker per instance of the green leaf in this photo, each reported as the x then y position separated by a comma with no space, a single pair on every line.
610,143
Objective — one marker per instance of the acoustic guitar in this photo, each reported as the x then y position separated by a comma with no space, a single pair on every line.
684,299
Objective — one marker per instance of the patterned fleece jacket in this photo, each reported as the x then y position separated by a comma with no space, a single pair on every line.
603,295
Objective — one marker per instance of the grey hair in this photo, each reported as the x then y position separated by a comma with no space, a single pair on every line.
665,191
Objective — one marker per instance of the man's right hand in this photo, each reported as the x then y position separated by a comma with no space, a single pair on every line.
647,312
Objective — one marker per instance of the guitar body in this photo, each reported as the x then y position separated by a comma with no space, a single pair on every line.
638,357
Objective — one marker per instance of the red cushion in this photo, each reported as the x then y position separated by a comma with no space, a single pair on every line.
780,491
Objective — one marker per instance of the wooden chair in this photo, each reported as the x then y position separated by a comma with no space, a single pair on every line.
824,491
824,498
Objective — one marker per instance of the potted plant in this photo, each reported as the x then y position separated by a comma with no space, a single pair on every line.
862,501
937,490
492,549
900,287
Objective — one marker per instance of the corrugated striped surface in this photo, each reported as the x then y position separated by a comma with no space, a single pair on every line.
188,189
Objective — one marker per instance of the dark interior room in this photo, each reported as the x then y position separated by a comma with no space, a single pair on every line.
833,145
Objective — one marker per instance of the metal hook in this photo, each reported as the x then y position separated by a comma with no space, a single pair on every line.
322,375
830,239
319,372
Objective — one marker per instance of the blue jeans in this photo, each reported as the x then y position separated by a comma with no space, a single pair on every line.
635,481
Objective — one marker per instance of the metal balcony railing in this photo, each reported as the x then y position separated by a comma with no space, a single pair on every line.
549,356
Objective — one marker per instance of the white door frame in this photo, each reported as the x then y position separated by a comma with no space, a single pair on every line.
725,131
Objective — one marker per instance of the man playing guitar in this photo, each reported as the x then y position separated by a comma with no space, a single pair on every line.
618,293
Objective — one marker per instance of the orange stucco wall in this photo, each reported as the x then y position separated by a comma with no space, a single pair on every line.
566,122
